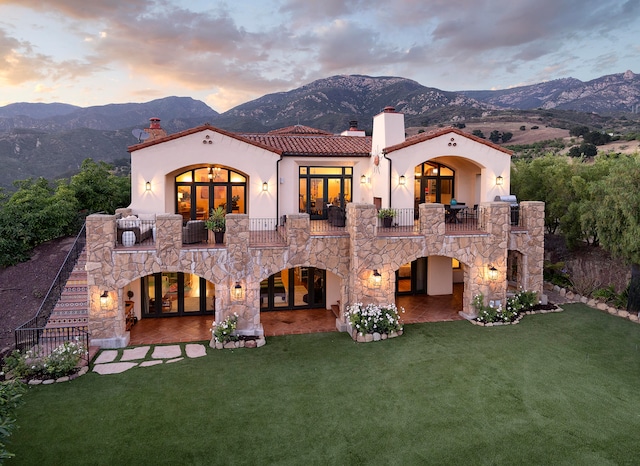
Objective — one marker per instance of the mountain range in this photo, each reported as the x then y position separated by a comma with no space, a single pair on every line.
51,140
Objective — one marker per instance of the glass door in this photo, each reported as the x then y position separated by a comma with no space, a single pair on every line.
317,197
411,278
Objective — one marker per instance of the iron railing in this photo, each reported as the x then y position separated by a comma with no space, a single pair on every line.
404,221
31,332
266,231
466,219
45,340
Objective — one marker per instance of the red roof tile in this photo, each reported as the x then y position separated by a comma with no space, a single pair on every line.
299,129
418,138
320,145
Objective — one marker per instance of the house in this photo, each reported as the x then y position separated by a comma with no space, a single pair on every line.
302,229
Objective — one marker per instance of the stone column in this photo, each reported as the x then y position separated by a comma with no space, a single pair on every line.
533,213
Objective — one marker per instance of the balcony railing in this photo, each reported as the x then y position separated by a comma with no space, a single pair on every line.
465,220
404,221
266,231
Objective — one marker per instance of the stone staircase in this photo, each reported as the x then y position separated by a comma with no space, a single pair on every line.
73,306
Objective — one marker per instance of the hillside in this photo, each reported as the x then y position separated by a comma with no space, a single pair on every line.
51,140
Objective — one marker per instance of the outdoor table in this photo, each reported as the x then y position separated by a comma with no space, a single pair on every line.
453,213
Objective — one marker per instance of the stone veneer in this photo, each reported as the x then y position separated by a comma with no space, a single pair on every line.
351,256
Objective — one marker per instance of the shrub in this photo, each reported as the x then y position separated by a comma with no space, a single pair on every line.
224,331
62,361
372,318
516,305
10,398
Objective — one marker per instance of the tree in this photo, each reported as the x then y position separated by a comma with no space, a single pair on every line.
98,189
35,213
578,131
478,133
506,136
494,136
618,219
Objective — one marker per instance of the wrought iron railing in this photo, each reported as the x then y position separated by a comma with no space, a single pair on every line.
465,219
266,231
31,332
403,221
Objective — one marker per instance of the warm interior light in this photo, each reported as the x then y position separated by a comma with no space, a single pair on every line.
148,186
104,297
377,278
363,179
265,186
237,291
493,273
210,174
403,180
499,180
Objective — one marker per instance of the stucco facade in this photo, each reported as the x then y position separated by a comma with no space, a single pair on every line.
380,169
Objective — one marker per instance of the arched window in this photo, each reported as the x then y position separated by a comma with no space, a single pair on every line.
434,183
202,189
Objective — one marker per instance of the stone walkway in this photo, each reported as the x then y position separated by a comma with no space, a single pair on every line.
117,361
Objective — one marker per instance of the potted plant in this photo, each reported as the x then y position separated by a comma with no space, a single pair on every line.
217,223
387,216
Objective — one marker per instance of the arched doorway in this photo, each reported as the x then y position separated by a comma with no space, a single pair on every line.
434,182
201,189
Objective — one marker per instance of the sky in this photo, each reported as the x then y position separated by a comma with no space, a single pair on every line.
226,53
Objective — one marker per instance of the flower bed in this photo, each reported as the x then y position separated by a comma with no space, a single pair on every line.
523,303
63,363
224,336
373,322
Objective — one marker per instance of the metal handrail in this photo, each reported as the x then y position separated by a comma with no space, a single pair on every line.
39,321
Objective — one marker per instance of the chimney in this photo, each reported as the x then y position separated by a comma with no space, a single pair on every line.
388,129
353,130
155,131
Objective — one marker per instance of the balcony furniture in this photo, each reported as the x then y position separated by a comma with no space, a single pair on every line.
142,229
337,216
194,232
453,211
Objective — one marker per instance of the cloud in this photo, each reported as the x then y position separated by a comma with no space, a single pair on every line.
18,62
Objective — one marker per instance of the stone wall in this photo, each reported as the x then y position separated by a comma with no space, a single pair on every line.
352,256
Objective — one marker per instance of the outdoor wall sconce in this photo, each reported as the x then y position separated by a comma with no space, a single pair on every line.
377,278
493,273
499,180
363,179
403,180
147,186
104,298
265,186
236,292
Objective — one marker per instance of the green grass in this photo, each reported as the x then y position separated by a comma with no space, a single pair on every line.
555,389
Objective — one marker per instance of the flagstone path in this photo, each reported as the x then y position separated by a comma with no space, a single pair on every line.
117,361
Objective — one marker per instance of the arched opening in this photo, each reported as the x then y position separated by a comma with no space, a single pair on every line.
434,182
430,289
295,301
174,294
295,288
201,189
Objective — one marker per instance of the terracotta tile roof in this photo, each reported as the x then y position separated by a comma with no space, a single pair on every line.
299,129
418,138
198,129
315,145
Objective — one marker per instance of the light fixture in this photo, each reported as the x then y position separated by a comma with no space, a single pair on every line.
147,186
180,196
493,273
377,278
104,298
237,291
403,180
265,186
363,179
210,174
499,180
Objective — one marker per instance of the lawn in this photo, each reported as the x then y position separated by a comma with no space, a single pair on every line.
555,389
